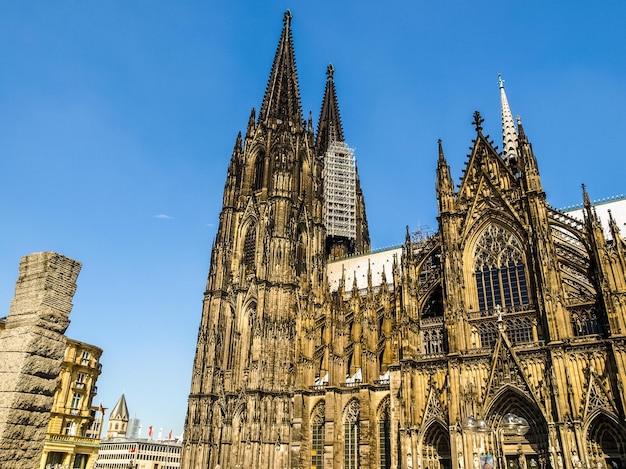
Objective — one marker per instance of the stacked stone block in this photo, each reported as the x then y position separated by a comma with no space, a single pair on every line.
32,347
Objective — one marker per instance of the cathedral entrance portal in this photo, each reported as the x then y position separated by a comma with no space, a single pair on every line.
606,443
436,448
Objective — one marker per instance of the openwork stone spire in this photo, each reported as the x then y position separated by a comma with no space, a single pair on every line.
509,133
329,128
282,96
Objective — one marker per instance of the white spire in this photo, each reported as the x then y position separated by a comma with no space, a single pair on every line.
509,132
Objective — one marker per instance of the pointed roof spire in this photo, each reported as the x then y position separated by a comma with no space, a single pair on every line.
329,125
120,411
509,133
282,96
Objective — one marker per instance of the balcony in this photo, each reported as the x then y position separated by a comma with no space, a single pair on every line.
80,386
74,440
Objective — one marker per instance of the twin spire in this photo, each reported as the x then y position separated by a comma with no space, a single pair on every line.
282,96
282,100
329,128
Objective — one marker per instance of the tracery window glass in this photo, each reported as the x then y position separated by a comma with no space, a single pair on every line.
249,249
585,321
488,334
259,169
301,253
384,439
499,270
351,435
432,341
317,437
520,330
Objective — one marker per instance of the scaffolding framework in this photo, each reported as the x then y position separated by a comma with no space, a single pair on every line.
340,190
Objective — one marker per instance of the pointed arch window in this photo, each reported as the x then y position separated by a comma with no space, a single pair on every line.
317,437
499,270
259,171
249,249
384,438
301,253
351,435
433,341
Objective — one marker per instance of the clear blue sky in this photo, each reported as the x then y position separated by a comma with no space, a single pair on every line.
118,118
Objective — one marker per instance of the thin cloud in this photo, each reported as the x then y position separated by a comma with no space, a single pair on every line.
162,216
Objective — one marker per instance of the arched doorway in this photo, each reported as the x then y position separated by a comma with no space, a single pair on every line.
606,443
436,447
519,432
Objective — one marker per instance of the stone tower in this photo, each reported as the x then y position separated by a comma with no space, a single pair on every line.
32,346
118,420
267,269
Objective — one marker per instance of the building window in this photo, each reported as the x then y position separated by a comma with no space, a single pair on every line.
70,428
259,169
85,358
317,437
75,402
499,270
301,253
433,341
519,330
249,249
488,334
351,436
384,439
585,321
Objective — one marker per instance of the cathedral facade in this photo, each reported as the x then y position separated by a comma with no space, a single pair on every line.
499,340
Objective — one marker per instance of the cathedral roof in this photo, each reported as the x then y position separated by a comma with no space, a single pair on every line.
282,96
329,127
120,411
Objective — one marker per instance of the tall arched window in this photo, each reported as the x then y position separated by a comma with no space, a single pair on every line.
249,249
384,438
259,170
499,269
301,253
317,436
351,435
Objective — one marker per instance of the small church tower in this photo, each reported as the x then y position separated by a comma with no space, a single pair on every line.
118,420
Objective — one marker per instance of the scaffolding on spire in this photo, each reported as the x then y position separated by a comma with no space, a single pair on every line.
340,191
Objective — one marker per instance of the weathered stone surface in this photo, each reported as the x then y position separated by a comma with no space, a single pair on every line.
32,346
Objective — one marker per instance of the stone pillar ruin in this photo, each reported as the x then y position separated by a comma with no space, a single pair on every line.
32,347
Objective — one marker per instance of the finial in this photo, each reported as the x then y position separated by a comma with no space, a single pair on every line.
330,71
287,18
477,121
586,199
500,81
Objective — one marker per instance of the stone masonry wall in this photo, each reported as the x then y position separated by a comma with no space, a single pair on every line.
32,347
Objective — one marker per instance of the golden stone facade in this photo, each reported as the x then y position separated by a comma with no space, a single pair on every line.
497,341
73,436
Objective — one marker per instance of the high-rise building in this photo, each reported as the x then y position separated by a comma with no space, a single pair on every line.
497,340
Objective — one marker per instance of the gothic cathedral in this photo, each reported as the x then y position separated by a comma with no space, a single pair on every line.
498,341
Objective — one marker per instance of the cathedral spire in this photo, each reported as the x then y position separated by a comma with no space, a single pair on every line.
509,133
282,97
329,126
444,186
